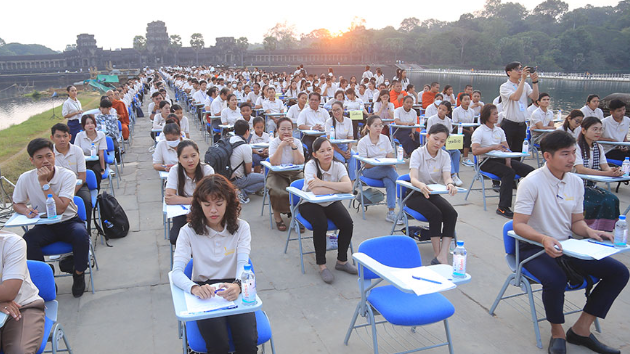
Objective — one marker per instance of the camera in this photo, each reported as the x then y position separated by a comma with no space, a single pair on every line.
532,69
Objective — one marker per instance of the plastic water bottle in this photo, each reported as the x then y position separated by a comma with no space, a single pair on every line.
93,150
621,232
248,286
331,132
451,247
400,153
421,120
108,224
459,260
559,115
103,127
460,129
625,167
51,207
525,147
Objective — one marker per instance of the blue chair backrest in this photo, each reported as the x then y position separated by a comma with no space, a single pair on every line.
400,191
353,166
265,169
43,278
119,125
80,208
299,184
90,179
509,243
110,143
394,251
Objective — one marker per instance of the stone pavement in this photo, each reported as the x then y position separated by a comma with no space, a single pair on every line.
132,312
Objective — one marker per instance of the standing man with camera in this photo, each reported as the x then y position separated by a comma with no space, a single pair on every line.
514,93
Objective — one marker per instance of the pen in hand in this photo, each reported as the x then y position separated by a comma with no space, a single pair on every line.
32,210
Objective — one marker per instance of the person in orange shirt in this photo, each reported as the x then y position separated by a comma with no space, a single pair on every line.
429,96
121,109
467,89
396,95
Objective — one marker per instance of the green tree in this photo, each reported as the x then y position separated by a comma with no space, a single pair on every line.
2,42
196,41
552,9
409,24
284,34
139,43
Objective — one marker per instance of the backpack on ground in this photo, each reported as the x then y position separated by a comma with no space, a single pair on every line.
371,197
114,222
218,156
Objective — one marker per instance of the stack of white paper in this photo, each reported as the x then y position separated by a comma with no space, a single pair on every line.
197,305
423,287
587,249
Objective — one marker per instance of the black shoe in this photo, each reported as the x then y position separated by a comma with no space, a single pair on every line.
505,212
78,284
496,188
557,346
590,342
53,268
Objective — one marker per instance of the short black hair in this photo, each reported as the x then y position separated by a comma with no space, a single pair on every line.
543,95
241,127
155,94
164,103
511,66
59,127
105,103
438,128
556,140
38,144
616,104
176,107
246,104
319,96
258,120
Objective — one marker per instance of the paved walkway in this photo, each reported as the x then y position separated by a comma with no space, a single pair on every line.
132,312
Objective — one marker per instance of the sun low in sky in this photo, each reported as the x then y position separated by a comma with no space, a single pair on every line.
114,24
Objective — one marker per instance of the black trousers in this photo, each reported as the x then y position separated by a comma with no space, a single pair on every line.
214,331
96,167
70,231
176,223
409,144
515,134
440,213
318,216
499,168
613,275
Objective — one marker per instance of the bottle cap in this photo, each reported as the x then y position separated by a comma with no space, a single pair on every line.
460,243
622,217
247,267
50,196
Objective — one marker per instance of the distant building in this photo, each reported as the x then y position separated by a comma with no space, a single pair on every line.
158,51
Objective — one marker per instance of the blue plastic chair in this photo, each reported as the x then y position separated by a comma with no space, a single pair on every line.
406,211
110,159
42,277
124,143
192,337
521,277
298,219
480,175
354,165
55,250
395,306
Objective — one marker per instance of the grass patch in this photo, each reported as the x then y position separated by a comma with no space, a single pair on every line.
15,138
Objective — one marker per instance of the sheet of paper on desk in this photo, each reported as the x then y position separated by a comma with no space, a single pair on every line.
441,189
422,287
585,248
326,196
196,305
22,220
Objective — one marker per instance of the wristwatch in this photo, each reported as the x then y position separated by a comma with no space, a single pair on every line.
238,282
46,187
294,148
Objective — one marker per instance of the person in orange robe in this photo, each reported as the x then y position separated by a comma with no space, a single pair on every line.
397,94
121,109
429,96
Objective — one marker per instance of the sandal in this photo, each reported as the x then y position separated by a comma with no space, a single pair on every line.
281,225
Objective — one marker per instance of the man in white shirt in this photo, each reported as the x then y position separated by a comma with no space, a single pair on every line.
72,111
514,94
616,129
200,95
253,96
241,163
549,209
217,106
312,117
542,117
34,187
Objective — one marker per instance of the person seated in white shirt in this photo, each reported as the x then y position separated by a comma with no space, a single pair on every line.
272,105
241,163
405,115
183,120
541,118
616,127
591,108
232,112
341,127
165,153
182,180
463,114
572,123
455,154
476,105
432,109
221,244
339,96
259,136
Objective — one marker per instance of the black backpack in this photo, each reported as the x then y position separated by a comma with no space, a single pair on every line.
218,156
114,221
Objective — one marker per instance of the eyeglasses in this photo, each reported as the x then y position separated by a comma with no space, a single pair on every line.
577,121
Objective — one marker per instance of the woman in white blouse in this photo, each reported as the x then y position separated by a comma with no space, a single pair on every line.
464,114
448,94
324,175
221,243
283,150
85,139
232,112
182,180
343,130
591,108
431,164
165,153
406,115
433,108
376,145
382,107
572,123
